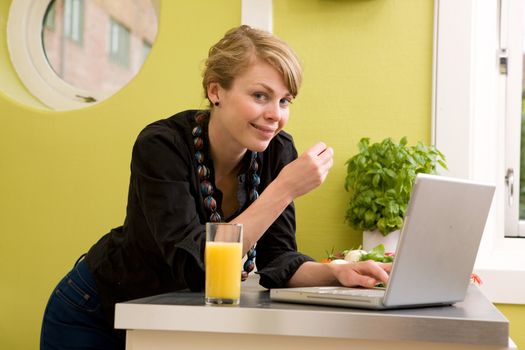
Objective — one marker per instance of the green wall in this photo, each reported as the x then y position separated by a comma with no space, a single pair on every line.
64,176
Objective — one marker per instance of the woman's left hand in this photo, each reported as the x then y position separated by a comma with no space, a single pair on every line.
363,273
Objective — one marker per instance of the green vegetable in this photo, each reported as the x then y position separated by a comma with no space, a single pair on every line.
377,254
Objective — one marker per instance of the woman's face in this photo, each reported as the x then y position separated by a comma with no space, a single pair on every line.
254,109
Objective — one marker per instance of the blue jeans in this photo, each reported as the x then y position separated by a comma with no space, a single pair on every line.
74,319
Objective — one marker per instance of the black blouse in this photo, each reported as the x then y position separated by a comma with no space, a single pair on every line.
160,247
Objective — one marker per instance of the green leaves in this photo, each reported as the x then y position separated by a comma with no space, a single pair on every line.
380,179
377,254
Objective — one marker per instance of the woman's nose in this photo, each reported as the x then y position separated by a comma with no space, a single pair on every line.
273,111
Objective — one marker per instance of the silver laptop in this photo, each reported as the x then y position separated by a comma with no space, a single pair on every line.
435,255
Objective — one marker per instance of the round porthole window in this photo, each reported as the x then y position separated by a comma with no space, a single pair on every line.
74,53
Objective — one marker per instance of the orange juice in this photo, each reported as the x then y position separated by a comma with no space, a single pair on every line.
223,270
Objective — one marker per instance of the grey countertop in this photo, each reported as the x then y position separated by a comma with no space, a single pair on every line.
473,321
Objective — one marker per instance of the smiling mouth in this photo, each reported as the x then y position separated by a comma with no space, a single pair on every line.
264,130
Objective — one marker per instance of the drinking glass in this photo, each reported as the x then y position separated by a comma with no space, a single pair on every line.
223,263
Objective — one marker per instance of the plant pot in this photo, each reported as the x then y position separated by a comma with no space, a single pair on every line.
373,238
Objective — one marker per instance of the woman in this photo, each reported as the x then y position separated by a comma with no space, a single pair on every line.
230,163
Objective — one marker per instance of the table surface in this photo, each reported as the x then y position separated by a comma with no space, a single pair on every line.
473,321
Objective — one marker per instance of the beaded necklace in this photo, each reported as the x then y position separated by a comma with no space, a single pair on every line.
199,133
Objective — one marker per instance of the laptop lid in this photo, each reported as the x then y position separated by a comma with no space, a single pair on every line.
443,226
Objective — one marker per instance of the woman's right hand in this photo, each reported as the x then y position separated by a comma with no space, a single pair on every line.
308,171
295,179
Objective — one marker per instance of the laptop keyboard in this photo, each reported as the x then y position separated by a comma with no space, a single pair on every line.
361,292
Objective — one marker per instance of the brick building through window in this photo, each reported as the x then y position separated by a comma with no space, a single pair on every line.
98,45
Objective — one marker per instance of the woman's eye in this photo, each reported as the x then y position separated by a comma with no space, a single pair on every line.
284,102
259,96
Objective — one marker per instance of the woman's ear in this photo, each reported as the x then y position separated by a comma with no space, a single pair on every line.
213,92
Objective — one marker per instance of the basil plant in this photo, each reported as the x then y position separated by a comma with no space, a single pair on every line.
380,179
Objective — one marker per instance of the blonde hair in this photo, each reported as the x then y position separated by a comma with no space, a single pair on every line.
239,47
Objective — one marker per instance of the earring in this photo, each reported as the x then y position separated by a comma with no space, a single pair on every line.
216,104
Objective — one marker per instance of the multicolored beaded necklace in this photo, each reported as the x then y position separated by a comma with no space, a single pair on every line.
206,187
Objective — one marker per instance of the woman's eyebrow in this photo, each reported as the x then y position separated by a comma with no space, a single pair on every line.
267,87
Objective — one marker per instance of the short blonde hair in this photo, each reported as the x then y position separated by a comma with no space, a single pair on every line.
239,47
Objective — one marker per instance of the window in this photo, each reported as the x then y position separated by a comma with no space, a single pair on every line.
469,123
74,20
59,48
119,43
511,49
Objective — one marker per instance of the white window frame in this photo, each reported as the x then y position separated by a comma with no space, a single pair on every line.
469,127
257,14
24,40
512,41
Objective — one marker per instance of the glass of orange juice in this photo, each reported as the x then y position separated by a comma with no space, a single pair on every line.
223,263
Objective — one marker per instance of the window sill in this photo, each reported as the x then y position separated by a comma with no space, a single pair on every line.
503,272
